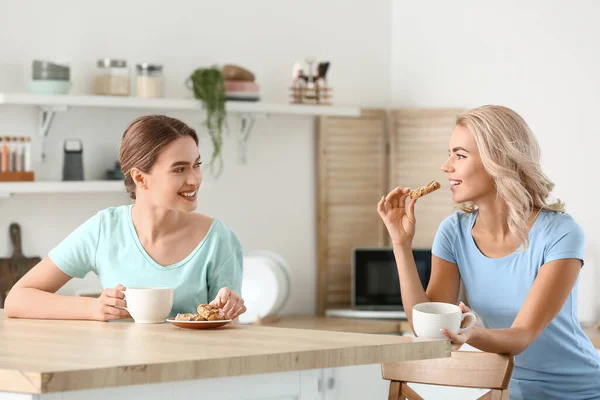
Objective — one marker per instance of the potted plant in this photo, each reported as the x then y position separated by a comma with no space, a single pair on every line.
208,87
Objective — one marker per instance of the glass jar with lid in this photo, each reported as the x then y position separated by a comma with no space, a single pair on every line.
149,80
112,77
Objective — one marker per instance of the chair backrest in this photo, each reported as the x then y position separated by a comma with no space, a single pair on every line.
469,369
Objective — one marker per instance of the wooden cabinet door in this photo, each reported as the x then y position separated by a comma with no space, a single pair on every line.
419,146
358,161
352,167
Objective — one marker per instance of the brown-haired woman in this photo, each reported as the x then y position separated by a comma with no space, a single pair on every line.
158,241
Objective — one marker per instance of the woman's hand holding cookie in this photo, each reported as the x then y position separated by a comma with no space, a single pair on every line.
398,217
228,300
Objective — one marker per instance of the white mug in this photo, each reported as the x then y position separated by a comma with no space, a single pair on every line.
148,305
428,318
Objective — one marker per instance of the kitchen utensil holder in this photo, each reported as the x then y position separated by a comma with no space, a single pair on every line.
317,95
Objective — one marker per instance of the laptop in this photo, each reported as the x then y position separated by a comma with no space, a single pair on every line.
375,284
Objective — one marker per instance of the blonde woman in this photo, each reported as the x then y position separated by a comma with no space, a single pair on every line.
518,254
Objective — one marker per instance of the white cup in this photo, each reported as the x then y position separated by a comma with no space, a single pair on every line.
149,305
429,318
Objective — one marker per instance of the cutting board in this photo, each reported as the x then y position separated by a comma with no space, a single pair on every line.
13,268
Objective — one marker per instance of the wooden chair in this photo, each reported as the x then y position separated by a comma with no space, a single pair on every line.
467,369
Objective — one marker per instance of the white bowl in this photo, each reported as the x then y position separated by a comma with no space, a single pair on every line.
49,86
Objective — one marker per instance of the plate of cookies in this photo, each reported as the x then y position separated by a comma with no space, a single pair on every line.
208,317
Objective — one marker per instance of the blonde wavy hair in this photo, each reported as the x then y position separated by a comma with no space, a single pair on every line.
511,155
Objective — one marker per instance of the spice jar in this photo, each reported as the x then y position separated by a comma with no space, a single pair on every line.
112,77
149,80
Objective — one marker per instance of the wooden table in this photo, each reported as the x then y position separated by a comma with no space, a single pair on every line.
356,325
42,356
392,327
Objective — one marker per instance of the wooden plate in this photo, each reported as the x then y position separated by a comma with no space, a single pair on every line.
198,324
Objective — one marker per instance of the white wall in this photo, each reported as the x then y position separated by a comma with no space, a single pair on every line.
537,57
270,203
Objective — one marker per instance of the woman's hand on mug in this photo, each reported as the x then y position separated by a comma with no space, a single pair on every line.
458,339
104,308
398,217
228,300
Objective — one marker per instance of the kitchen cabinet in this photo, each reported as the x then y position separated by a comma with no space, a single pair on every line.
359,159
295,385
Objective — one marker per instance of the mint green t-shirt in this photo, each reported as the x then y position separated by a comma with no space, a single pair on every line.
107,244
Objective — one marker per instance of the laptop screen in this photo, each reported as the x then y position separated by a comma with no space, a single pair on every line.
375,284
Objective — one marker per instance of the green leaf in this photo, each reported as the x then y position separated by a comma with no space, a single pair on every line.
209,88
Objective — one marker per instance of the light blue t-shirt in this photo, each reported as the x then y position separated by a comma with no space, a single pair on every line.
562,362
107,244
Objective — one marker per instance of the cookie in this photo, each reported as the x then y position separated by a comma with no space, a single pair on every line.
184,317
189,317
211,313
422,191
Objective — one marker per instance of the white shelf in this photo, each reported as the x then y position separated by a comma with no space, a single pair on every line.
10,188
28,99
49,105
